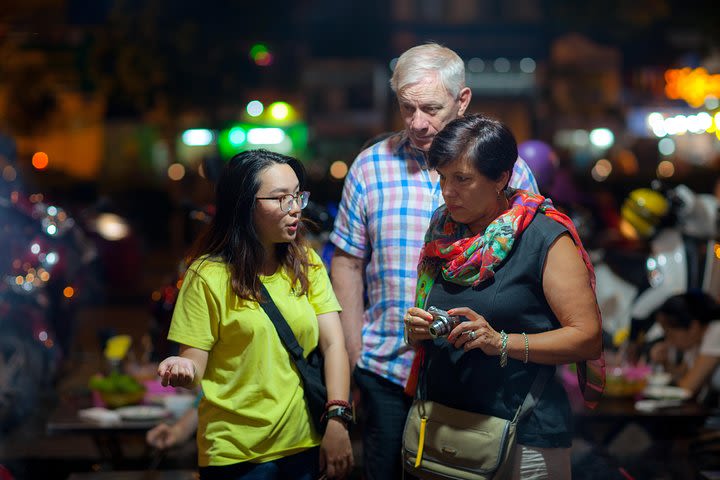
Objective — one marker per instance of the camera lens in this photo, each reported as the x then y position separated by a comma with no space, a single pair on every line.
440,327
442,322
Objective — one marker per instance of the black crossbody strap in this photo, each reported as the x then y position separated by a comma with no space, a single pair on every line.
533,396
287,337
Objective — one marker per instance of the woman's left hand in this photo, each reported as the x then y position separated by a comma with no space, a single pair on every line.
474,333
336,456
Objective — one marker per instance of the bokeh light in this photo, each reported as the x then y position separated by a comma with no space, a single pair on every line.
628,162
666,146
265,136
9,174
338,169
280,110
527,65
237,136
176,172
197,137
255,108
40,160
111,226
665,169
602,170
261,55
502,65
476,65
602,138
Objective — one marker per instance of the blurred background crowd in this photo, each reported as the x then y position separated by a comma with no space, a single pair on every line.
115,116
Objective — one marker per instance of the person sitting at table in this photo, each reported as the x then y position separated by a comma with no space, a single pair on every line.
168,435
691,324
253,419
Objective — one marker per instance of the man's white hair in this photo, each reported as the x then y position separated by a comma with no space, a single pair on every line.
429,60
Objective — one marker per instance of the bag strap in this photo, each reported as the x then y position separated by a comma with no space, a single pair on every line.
533,396
287,337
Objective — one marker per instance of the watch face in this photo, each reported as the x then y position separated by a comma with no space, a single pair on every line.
344,413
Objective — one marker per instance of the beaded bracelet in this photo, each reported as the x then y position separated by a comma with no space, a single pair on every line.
527,348
503,348
337,403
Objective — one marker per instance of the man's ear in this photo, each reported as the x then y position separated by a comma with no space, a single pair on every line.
464,98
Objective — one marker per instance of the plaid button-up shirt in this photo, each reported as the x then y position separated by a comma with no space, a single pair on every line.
387,202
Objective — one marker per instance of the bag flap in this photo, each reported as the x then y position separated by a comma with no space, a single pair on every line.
457,438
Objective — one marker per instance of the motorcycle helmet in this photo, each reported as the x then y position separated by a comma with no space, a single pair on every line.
642,212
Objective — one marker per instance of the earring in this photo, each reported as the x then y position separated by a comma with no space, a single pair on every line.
498,194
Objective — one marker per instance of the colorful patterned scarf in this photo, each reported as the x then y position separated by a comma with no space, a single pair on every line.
470,260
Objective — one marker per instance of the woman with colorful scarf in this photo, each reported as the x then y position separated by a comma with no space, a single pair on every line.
515,272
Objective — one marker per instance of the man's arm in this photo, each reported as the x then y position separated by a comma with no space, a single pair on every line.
346,273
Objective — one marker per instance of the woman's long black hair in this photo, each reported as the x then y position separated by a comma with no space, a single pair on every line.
231,236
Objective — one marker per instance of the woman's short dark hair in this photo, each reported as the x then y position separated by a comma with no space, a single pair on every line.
488,144
681,310
231,236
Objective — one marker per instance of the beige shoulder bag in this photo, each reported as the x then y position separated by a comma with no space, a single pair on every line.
442,443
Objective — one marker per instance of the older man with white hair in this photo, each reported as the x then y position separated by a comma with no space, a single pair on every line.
388,198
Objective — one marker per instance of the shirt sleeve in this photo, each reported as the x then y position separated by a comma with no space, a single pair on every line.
350,230
710,345
320,293
522,177
196,316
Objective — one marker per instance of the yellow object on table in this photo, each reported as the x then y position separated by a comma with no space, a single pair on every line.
117,347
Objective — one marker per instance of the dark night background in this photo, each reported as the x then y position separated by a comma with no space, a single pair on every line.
106,89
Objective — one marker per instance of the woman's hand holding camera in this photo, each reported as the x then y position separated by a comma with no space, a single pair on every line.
474,333
417,322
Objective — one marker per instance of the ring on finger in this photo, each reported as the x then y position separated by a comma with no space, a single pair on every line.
472,334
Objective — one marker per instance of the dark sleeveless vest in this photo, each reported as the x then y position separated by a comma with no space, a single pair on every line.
512,301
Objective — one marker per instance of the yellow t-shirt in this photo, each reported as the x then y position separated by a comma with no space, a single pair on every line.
254,407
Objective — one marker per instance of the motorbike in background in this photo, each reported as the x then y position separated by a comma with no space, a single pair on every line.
681,230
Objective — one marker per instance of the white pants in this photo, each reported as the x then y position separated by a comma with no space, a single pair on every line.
534,463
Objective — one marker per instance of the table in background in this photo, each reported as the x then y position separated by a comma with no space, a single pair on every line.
602,424
65,420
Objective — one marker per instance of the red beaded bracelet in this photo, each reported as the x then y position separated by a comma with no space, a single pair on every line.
337,403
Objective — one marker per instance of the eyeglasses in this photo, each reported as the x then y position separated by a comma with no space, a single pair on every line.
286,201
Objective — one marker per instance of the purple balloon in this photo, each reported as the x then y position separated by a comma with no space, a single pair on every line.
541,159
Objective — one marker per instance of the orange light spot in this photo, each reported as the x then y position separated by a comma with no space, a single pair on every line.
68,292
40,160
156,296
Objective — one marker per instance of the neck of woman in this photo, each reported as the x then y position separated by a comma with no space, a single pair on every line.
271,263
480,226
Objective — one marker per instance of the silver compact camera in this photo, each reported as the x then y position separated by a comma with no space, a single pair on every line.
442,323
